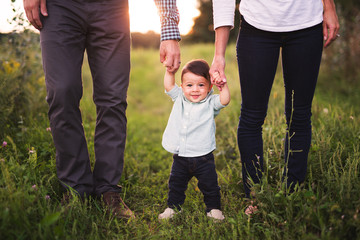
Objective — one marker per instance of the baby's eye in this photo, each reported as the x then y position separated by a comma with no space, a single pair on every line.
201,85
189,85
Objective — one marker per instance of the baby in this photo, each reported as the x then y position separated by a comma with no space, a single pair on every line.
190,136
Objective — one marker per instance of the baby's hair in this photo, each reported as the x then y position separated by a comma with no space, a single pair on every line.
198,67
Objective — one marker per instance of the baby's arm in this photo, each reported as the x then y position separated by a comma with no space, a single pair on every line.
223,88
169,80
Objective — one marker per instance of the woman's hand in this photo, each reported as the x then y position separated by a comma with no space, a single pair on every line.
330,23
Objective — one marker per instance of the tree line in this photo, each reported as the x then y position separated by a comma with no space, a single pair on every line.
344,54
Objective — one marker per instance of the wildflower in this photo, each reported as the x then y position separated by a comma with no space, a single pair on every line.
47,197
4,144
342,216
2,160
326,111
34,187
10,66
352,117
251,209
258,160
31,151
271,152
48,129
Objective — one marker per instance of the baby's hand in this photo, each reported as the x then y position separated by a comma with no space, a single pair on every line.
218,81
170,69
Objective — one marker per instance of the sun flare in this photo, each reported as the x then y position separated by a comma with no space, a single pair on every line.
144,15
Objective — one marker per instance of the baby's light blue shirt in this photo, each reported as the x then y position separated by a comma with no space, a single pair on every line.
190,131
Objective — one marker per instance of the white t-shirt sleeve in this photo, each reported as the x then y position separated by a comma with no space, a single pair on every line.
224,13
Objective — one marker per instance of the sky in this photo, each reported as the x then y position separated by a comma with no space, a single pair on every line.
138,9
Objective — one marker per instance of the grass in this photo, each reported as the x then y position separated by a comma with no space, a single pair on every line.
326,207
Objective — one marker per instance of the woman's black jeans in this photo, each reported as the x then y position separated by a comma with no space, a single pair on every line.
258,53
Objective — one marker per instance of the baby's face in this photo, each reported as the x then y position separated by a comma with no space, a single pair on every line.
195,87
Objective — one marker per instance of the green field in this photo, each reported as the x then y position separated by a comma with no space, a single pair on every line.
325,207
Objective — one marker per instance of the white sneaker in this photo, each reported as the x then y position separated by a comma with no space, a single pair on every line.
167,214
216,214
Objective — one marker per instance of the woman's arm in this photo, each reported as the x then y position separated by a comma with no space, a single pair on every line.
218,64
331,23
223,12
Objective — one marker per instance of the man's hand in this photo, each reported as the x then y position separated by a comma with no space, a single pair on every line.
32,8
170,55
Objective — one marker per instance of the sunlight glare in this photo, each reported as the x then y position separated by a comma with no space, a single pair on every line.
144,16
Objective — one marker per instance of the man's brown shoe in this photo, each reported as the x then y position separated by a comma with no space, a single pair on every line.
116,205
